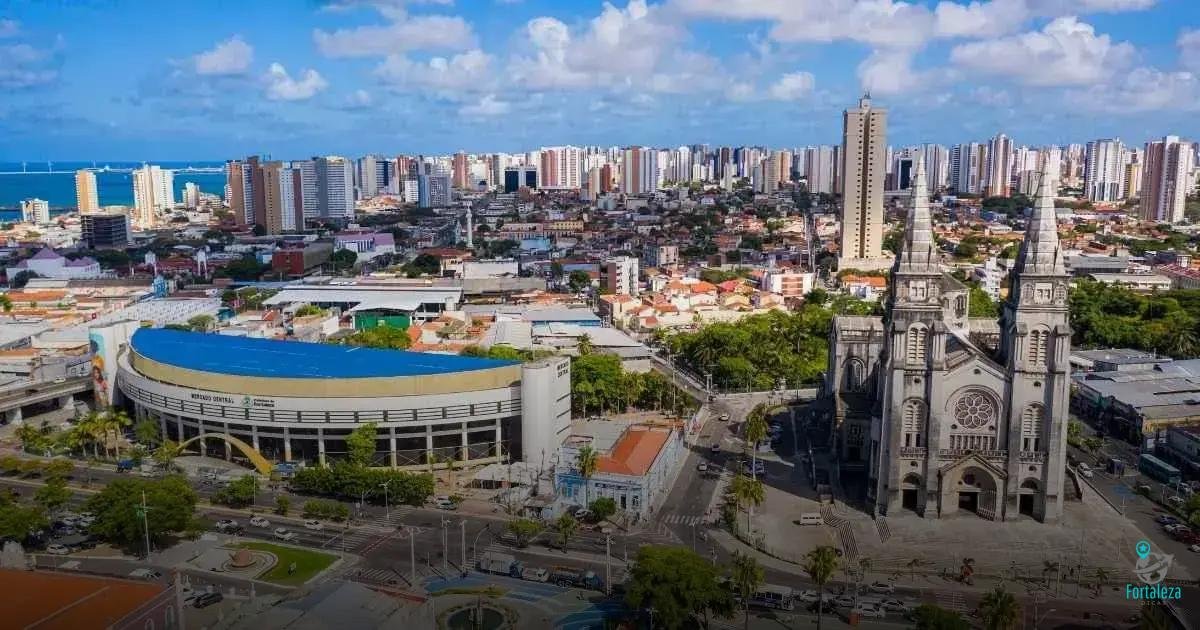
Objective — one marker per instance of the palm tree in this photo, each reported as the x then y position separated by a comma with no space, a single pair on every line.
1102,578
586,346
167,452
118,421
749,492
745,577
586,464
820,564
91,431
999,610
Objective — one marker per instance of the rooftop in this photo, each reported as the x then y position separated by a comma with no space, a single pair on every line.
635,451
245,356
33,599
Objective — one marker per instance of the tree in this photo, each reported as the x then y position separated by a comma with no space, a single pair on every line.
385,337
171,503
596,381
678,584
17,521
999,610
578,280
748,492
586,462
586,346
307,310
6,303
602,508
53,495
343,259
524,530
22,278
360,444
820,564
239,493
981,304
817,297
166,453
202,323
567,527
247,268
930,617
423,265
745,577
60,469
147,431
283,504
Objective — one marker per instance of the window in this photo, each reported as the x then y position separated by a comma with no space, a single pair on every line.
855,376
913,423
1039,341
1032,421
915,352
974,410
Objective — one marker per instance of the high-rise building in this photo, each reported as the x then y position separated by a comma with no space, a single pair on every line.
1104,170
819,166
1133,173
366,176
35,211
937,167
305,171
335,187
1166,179
191,195
280,211
239,186
864,149
966,168
518,177
639,170
433,191
997,170
461,171
86,198
153,192
621,275
104,230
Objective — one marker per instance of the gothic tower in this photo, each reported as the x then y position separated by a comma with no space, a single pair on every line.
1036,345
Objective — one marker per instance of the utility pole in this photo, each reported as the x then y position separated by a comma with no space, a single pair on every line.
387,515
145,523
445,549
463,524
607,564
412,554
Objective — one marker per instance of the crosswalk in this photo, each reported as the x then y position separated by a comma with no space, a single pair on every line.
377,576
951,600
684,519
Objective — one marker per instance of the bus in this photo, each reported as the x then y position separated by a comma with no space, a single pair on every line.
771,596
1157,469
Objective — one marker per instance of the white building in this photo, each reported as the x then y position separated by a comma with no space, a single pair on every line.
153,192
1104,170
787,283
1166,179
621,275
335,187
49,264
86,197
634,467
191,195
35,211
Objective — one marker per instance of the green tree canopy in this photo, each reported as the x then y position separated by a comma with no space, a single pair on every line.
930,617
980,304
423,265
384,337
578,280
239,493
679,584
171,503
360,444
343,259
18,521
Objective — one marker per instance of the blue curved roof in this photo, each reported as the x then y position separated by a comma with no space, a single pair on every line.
245,356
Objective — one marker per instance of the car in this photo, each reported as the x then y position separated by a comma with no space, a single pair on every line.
57,549
445,503
283,534
1084,470
1175,501
314,525
806,596
208,599
867,610
189,594
757,468
1166,519
716,448
1194,549
259,521
60,380
882,587
1145,489
894,605
583,515
145,574
846,600
702,467
1180,531
724,417
227,525
534,574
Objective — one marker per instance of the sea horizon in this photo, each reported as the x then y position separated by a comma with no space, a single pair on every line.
113,188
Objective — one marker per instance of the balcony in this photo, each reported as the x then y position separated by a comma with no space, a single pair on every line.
955,453
913,451
1033,457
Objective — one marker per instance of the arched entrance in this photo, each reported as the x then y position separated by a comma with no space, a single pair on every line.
910,492
1027,496
260,463
976,492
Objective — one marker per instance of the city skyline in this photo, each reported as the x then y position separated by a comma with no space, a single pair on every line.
361,77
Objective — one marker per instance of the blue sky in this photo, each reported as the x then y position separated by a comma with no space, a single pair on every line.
143,80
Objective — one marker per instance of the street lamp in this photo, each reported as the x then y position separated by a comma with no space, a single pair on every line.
386,512
1037,620
475,543
445,546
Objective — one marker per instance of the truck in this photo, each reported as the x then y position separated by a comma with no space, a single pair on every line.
500,563
576,578
1157,469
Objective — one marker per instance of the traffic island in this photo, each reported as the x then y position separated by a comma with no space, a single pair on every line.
478,615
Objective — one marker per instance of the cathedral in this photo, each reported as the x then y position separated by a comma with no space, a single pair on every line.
945,414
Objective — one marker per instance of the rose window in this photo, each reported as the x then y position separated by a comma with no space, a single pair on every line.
974,410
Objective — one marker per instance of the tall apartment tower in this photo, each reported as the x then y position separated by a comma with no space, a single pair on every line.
335,187
86,198
1104,170
998,169
153,191
864,151
239,182
1165,179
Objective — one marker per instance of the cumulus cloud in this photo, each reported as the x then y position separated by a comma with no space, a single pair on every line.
792,86
230,57
358,99
888,71
1144,90
404,33
468,71
968,20
24,66
1189,49
282,87
486,107
1065,52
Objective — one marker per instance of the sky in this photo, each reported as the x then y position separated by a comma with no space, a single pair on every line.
179,80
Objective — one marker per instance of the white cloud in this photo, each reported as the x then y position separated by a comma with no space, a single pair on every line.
976,18
359,99
1189,49
1065,52
1144,90
404,33
468,71
9,28
889,71
486,107
792,86
232,56
23,66
282,87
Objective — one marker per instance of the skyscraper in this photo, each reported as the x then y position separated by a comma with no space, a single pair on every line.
153,192
461,171
864,147
1104,170
279,198
239,182
191,195
35,211
335,187
86,198
966,168
639,170
1165,179
998,168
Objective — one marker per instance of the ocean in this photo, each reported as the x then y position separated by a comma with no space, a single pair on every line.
114,189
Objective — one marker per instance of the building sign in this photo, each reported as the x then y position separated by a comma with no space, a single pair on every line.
261,403
213,398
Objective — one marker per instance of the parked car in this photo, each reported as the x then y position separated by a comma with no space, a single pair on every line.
845,600
227,525
724,417
145,574
1193,548
1084,469
208,599
283,534
1166,519
259,521
882,587
534,574
805,596
716,448
57,549
444,503
702,467
867,610
314,525
895,605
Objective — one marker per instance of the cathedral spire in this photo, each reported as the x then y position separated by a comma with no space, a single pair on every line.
918,252
1040,252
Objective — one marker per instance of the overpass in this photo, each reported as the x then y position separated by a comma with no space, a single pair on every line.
14,397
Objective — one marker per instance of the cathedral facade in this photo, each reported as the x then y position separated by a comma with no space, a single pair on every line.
946,414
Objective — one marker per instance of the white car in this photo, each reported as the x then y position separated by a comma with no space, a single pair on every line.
1084,470
867,610
806,597
702,467
894,605
534,574
845,601
57,550
226,524
259,521
1194,549
724,417
882,587
314,525
283,534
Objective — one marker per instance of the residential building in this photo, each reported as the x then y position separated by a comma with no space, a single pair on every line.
864,147
280,209
639,170
35,211
794,284
1104,170
462,172
191,195
304,173
820,165
1166,179
518,177
433,191
998,167
662,255
105,230
153,192
86,197
239,189
335,187
966,168
621,275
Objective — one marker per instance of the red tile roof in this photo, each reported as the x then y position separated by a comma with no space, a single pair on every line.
635,452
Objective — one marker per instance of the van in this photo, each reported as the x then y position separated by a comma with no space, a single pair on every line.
811,518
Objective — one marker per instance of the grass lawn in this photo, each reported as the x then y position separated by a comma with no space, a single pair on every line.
308,563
